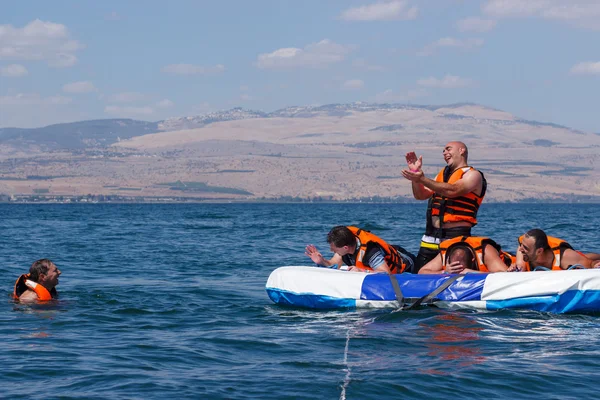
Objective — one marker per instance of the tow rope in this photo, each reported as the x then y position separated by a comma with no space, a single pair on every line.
425,299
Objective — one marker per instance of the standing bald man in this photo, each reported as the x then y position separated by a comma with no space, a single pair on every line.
454,198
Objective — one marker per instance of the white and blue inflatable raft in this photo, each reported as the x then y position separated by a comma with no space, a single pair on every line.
323,288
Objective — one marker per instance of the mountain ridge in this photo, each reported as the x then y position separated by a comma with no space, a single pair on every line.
333,152
106,132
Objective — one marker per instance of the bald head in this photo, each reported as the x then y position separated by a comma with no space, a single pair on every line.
461,147
456,154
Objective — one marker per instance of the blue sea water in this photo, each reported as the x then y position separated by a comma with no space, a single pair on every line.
169,301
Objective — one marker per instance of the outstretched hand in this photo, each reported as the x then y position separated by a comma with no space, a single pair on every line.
414,163
314,254
413,176
414,173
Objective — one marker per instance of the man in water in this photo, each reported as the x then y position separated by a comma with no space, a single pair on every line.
362,251
468,254
39,284
542,252
454,198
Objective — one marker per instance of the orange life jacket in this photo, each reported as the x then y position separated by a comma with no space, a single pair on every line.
558,247
23,284
392,258
477,245
455,209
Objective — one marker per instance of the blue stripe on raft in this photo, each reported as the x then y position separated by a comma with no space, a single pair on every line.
309,300
569,301
379,287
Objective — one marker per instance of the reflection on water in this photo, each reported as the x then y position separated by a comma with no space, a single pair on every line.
455,338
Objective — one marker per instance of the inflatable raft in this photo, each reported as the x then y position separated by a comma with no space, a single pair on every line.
322,288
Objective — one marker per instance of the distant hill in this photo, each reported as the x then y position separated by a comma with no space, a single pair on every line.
106,132
198,121
337,152
328,110
76,135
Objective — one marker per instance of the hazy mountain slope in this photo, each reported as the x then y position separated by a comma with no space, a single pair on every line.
75,135
334,152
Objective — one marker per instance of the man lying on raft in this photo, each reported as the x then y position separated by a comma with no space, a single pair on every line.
537,251
362,251
39,284
468,254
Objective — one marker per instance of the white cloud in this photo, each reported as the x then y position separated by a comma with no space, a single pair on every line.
581,13
79,87
191,69
13,71
383,11
39,40
447,82
246,97
165,103
314,55
127,97
475,24
586,68
515,8
33,99
353,84
128,111
462,44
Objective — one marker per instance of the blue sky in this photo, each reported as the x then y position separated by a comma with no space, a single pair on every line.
63,61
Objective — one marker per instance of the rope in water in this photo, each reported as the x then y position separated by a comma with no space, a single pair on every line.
347,369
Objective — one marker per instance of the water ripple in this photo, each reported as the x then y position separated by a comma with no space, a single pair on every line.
163,301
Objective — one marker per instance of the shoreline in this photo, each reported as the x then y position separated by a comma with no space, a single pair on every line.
195,200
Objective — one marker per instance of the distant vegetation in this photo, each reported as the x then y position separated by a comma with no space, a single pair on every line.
544,143
567,171
203,188
34,177
388,128
379,143
537,123
457,116
234,171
